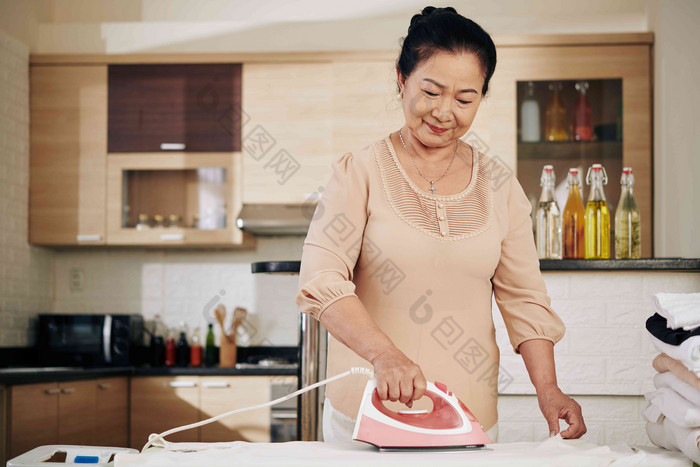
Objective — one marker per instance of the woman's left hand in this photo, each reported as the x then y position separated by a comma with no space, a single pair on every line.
556,405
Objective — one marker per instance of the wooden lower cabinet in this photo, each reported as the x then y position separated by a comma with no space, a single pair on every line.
112,412
223,394
33,417
76,412
160,403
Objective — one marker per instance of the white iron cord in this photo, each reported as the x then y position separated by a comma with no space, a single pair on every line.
157,439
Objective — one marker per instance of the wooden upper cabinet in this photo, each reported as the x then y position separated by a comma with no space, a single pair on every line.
287,131
68,127
192,108
625,68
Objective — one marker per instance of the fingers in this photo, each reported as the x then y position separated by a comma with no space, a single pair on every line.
577,427
398,378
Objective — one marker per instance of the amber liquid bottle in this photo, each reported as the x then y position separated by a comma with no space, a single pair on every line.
597,215
555,116
573,219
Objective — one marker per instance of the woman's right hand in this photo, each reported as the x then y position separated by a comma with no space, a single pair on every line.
398,378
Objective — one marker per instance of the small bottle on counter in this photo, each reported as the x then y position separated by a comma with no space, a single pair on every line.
573,219
210,352
548,229
170,349
196,349
183,350
158,221
174,221
628,241
158,343
597,217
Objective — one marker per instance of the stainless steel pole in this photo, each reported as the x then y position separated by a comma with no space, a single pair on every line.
309,375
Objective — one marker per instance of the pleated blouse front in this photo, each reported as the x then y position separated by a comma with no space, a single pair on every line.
425,267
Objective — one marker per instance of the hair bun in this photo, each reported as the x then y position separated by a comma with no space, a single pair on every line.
430,11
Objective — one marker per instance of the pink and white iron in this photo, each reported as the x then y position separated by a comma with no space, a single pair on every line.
449,425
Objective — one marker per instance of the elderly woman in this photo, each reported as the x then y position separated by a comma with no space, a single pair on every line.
412,238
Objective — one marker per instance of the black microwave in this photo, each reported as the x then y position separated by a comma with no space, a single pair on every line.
88,340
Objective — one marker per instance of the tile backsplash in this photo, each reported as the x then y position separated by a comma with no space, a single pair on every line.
25,271
184,286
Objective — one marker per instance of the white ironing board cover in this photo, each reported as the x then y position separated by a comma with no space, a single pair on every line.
554,451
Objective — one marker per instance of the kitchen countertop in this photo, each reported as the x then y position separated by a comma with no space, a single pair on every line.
27,375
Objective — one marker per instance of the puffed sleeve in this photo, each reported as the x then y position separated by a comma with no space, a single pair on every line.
335,235
518,285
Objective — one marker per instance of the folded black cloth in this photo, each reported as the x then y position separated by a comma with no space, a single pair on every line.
656,325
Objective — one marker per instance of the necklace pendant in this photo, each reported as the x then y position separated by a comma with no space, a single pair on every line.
432,188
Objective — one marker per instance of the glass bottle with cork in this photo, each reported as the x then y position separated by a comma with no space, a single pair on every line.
548,228
628,244
597,217
583,128
530,116
573,219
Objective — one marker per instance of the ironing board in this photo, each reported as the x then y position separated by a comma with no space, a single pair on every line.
553,451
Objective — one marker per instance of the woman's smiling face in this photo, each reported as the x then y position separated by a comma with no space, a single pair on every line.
441,97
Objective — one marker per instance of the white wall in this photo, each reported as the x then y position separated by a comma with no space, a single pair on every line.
24,271
676,126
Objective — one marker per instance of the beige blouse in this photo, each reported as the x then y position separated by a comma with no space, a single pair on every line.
425,267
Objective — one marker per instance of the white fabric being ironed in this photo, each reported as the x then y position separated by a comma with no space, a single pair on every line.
554,451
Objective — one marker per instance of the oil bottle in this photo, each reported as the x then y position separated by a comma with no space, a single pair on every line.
597,217
548,228
573,219
555,116
628,243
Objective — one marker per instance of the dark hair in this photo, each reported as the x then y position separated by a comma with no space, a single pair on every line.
443,29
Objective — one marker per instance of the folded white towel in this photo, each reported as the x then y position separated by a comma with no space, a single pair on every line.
669,380
668,435
687,353
681,310
675,407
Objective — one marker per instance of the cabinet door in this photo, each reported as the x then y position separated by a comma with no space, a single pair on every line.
76,412
287,130
222,394
196,106
161,403
365,106
112,412
33,417
495,128
68,129
205,185
3,425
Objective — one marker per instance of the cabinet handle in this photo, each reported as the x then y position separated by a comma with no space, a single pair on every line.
182,384
53,391
89,238
172,237
172,146
216,384
283,416
67,390
104,385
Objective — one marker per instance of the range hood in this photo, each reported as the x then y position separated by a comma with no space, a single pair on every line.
276,219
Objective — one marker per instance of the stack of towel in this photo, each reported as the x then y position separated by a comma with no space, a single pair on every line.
673,409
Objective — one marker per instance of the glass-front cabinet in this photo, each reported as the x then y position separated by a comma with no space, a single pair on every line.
174,199
572,106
